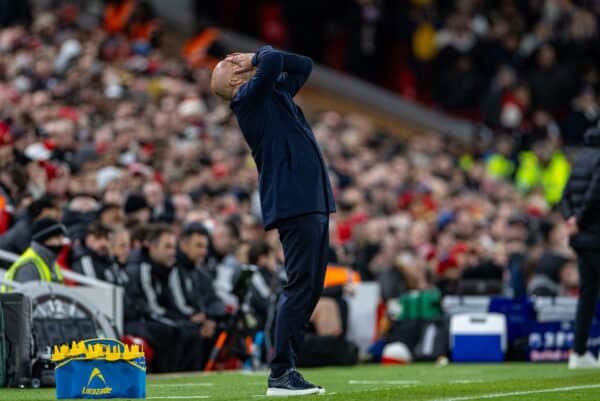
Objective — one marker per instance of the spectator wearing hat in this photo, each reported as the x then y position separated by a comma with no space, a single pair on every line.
93,259
38,262
81,211
137,210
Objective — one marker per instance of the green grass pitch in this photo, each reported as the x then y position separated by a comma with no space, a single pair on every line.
418,382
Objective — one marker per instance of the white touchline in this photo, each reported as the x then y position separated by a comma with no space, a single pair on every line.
252,372
180,384
517,393
178,397
402,382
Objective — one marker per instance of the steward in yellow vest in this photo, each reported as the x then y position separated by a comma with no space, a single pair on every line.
38,262
552,176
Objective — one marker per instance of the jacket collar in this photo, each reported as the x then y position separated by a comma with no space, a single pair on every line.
157,269
46,254
184,261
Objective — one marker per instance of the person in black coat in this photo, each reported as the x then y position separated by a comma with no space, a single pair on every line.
266,283
93,258
295,192
581,209
190,283
149,305
585,114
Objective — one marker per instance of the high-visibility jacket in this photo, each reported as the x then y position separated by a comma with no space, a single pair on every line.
529,171
552,178
555,177
30,256
499,166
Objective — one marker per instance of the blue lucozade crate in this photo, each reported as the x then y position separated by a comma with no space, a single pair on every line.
99,368
478,337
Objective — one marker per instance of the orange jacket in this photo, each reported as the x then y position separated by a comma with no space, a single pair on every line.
340,275
143,31
117,16
196,49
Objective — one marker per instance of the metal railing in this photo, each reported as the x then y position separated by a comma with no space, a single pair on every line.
106,297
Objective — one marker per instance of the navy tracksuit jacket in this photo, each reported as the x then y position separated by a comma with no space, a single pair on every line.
293,176
295,191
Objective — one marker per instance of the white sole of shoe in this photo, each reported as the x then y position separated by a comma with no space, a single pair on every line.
579,367
282,392
321,391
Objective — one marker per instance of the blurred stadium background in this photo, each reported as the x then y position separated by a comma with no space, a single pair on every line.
449,128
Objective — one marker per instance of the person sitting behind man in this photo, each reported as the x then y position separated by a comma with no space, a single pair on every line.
222,261
93,258
120,247
38,262
149,309
267,282
193,292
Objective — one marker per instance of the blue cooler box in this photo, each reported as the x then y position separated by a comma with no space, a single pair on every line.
478,337
98,378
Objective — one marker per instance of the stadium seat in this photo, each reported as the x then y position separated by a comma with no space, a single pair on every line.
148,350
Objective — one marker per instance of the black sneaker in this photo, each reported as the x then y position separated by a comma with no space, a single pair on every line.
291,383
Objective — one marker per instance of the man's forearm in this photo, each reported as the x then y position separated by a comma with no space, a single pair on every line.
296,63
292,63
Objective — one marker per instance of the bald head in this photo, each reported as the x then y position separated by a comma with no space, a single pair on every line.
225,81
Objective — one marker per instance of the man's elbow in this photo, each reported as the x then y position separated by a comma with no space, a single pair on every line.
268,53
307,65
271,60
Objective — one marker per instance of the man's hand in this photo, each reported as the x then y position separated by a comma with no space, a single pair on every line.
243,62
198,318
208,329
572,226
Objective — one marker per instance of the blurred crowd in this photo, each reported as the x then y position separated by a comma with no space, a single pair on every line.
524,67
149,173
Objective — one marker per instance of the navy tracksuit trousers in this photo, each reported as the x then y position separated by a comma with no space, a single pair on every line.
589,278
305,241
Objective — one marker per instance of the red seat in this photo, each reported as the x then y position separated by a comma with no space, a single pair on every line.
148,350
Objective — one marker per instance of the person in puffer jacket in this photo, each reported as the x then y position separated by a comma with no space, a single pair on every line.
581,209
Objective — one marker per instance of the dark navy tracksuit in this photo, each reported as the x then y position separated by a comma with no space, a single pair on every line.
295,192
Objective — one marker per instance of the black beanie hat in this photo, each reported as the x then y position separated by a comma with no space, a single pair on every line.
135,202
47,228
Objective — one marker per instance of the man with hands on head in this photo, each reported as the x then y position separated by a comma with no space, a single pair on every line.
295,192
